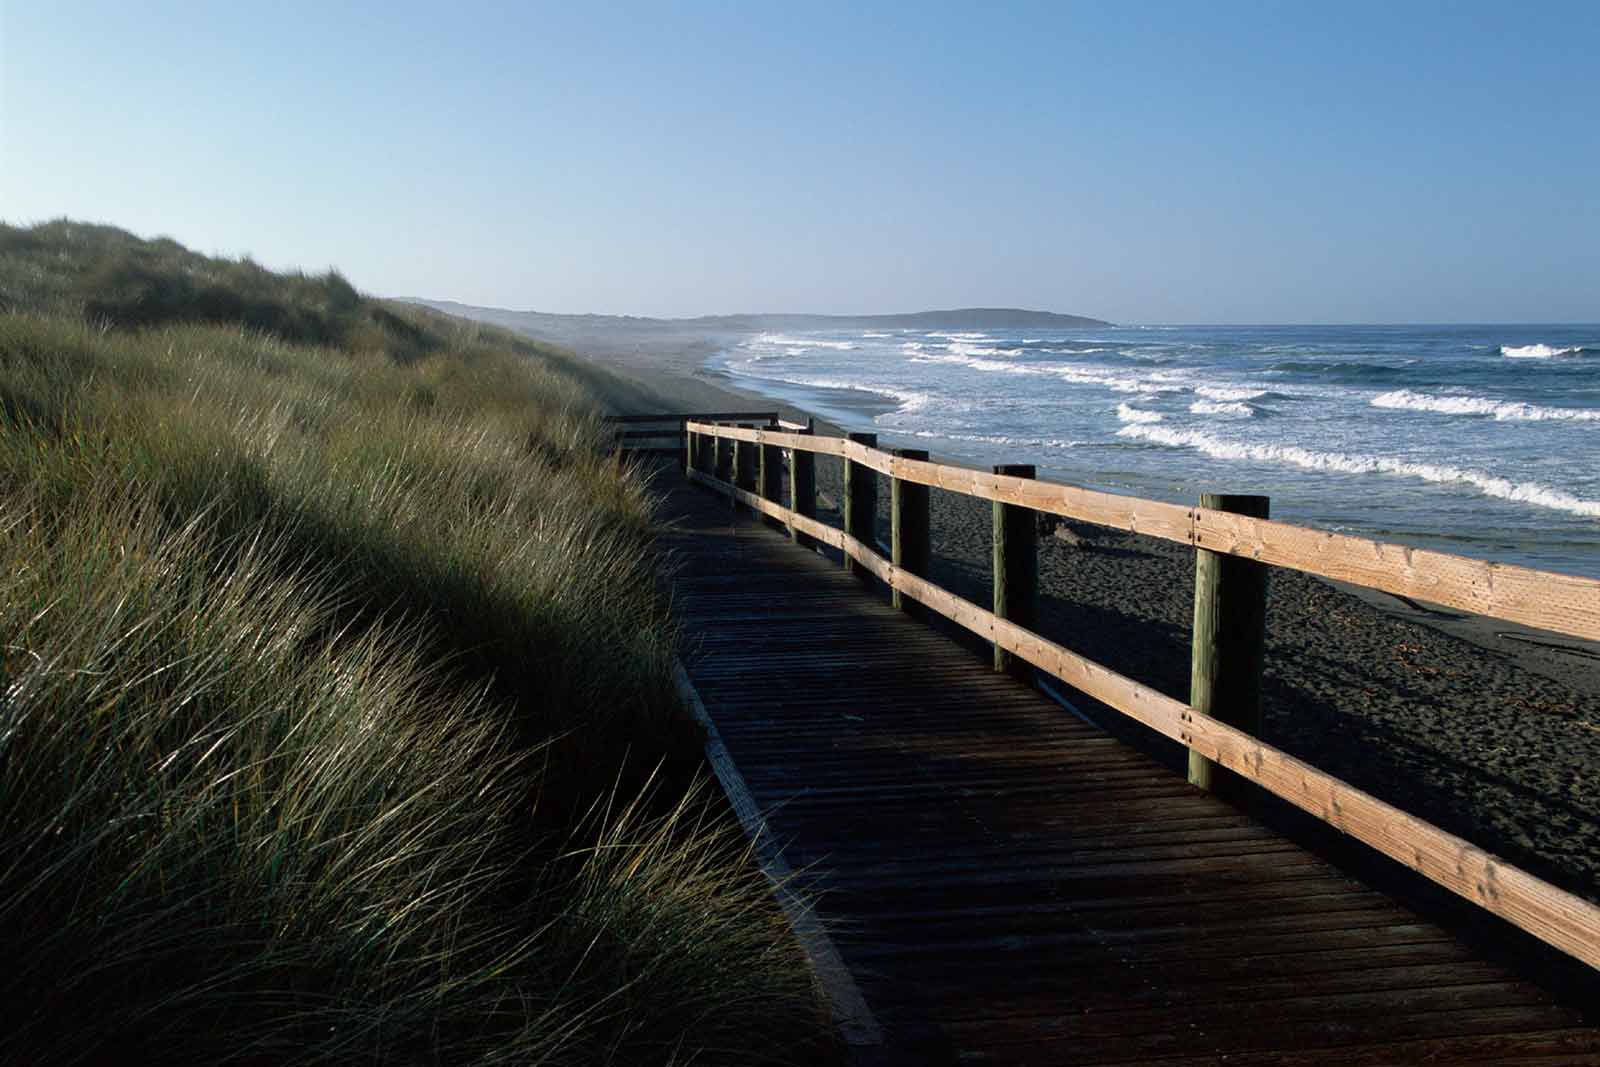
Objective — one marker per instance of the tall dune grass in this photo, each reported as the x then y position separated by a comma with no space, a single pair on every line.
336,694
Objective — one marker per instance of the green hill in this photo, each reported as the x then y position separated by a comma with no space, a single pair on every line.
336,720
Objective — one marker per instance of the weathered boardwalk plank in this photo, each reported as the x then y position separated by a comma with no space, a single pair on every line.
1009,885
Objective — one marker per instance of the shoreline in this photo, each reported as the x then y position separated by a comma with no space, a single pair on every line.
677,371
1487,729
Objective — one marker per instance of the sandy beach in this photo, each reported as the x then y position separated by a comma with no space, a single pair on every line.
1487,729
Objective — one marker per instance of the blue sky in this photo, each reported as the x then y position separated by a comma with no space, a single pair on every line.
1140,162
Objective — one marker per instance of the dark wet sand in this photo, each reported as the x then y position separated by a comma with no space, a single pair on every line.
1495,738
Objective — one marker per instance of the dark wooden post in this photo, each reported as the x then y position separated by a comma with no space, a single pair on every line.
771,477
683,446
723,459
744,453
1016,570
908,525
1230,628
803,490
861,504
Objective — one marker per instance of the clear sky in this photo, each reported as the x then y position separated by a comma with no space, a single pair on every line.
1142,162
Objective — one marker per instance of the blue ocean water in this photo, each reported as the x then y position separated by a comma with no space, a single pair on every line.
1478,440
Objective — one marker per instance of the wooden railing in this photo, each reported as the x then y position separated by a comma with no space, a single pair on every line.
1219,722
632,430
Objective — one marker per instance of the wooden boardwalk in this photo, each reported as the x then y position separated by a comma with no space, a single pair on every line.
1008,884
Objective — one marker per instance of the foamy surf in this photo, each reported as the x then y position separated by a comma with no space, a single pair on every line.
1129,413
997,439
907,400
1233,409
1228,394
804,342
1501,410
1537,351
1503,488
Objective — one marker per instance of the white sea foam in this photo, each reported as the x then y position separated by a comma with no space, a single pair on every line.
1520,492
1232,408
998,439
972,336
1502,410
803,342
1228,393
962,359
871,333
908,400
1081,374
961,348
1536,351
1129,413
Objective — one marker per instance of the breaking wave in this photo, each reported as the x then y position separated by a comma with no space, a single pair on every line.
1502,410
1539,351
1233,408
1520,492
804,342
1229,393
1129,413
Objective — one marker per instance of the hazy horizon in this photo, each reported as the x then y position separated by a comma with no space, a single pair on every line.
412,297
1160,165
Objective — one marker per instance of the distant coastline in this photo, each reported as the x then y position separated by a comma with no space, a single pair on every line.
571,327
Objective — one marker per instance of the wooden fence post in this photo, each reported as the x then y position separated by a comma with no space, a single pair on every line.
1016,570
803,490
1230,614
908,526
861,504
683,446
744,460
722,459
771,477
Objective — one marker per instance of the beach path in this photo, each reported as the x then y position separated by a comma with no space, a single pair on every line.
1004,883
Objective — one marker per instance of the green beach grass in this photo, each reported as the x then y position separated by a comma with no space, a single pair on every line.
337,722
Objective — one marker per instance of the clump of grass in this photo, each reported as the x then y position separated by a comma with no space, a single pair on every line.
334,673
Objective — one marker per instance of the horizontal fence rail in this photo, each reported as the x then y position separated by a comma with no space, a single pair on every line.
673,427
770,417
1557,602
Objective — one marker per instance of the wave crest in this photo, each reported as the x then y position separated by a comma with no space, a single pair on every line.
1502,410
1520,492
1129,413
1538,351
1232,408
804,342
1229,393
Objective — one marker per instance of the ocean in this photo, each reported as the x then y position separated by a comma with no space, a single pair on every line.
1478,440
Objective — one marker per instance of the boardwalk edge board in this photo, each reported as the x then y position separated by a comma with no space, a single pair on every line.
1560,603
1560,919
856,1023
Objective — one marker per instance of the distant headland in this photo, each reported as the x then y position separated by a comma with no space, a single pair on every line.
570,327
